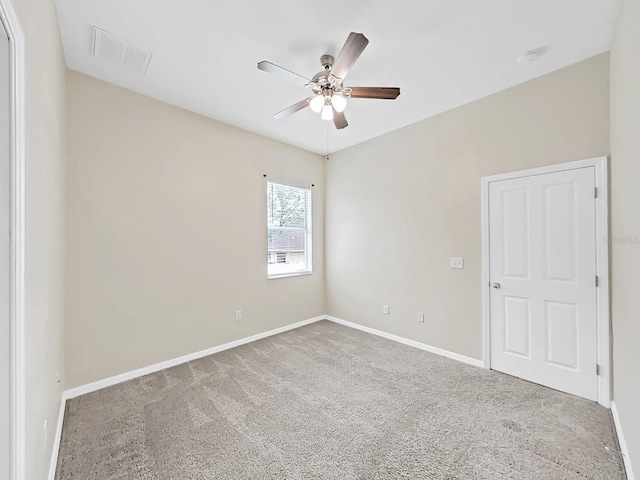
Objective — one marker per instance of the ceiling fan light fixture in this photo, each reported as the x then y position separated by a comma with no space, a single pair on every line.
327,113
329,96
339,102
317,103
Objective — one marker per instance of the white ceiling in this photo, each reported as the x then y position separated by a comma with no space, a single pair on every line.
441,53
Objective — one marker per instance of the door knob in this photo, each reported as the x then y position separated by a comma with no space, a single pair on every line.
495,285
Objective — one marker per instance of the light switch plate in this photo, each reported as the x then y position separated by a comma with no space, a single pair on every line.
457,262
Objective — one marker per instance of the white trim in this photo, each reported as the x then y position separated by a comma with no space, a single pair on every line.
600,165
94,386
292,274
623,444
605,376
12,27
58,438
412,343
558,167
123,377
486,305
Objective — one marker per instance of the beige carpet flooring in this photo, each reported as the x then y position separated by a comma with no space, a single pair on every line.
329,402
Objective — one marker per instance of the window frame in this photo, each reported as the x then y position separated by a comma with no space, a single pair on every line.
308,231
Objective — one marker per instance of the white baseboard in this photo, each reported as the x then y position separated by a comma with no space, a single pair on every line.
107,382
123,377
621,441
412,343
56,440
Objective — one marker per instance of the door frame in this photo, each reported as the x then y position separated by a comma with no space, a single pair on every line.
603,322
12,27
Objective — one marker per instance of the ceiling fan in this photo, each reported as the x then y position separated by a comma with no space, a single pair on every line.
329,95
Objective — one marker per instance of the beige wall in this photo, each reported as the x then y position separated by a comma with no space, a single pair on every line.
625,222
45,155
166,232
147,280
399,206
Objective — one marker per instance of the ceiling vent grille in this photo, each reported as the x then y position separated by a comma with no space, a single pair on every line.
117,50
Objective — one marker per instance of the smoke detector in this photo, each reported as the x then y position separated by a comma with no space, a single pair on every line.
527,57
108,46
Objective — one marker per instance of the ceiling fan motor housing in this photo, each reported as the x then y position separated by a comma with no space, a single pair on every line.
327,61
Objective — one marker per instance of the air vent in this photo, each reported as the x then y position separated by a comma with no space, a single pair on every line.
117,50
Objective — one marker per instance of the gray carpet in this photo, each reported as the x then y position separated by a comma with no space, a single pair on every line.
329,402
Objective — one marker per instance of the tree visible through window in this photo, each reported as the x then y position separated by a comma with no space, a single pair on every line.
288,229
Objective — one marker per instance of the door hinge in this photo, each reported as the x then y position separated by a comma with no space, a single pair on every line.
597,281
598,369
595,192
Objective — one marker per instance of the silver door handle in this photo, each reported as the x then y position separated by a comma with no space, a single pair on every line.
495,285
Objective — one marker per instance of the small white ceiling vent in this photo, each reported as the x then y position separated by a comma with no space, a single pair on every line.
107,45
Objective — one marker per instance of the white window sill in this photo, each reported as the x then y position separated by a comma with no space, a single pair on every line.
285,275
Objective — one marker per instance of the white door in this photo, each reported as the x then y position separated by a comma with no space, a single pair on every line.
542,267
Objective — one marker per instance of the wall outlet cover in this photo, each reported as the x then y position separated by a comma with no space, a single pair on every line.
457,262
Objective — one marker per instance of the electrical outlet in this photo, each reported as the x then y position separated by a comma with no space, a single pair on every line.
385,309
421,317
457,262
238,314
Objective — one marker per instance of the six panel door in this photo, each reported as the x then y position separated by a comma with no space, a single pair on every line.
542,248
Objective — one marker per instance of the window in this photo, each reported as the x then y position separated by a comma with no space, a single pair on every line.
288,230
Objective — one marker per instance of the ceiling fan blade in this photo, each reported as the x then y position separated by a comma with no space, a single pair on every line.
282,72
353,47
287,112
384,93
339,120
